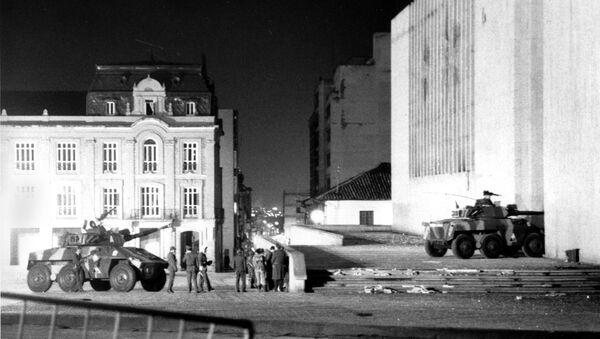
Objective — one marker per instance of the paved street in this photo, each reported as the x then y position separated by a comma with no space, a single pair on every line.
328,313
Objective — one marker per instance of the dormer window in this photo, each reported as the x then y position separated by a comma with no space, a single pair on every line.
190,108
111,108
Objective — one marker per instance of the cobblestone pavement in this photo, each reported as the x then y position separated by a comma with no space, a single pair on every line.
326,314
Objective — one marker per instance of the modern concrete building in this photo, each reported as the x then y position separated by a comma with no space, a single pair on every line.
350,124
498,95
154,154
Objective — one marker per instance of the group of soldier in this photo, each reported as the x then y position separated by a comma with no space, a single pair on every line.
266,269
196,267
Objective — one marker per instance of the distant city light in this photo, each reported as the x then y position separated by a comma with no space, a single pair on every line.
264,221
276,223
274,208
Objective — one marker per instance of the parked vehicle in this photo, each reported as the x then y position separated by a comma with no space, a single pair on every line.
494,230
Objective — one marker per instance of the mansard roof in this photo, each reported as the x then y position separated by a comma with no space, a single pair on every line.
175,77
375,184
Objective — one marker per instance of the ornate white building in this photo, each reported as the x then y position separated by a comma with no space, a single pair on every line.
149,149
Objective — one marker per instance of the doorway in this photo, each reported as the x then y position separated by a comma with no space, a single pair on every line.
188,238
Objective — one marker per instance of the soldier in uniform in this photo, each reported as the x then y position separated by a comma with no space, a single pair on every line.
191,268
278,260
77,262
240,268
172,260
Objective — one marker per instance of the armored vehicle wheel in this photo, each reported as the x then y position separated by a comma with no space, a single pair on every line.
434,251
491,246
533,245
68,278
122,277
463,246
38,278
156,283
100,285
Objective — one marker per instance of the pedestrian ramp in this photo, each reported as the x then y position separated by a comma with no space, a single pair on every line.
47,317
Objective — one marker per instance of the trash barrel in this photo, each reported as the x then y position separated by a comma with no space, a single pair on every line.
572,255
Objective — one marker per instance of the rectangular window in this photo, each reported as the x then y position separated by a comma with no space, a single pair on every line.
65,157
66,201
190,108
111,108
110,200
366,217
190,156
109,157
150,202
25,160
190,202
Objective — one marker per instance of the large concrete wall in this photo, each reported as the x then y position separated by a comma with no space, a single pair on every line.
483,121
572,127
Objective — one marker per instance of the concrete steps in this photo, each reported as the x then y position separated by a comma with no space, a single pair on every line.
459,281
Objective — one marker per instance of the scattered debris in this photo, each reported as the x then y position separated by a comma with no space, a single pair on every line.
555,294
445,271
378,289
339,272
447,286
518,297
507,272
420,289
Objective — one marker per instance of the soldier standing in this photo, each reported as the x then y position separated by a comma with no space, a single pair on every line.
278,260
240,268
172,260
203,275
80,276
191,268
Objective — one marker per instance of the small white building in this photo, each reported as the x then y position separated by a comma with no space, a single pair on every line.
364,199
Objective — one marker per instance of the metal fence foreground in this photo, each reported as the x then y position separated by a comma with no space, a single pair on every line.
245,326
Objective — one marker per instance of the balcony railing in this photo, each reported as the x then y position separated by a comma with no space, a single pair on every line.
154,214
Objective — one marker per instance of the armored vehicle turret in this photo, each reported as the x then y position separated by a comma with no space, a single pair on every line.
100,257
493,229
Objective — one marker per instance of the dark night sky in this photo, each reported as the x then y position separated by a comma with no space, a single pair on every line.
265,57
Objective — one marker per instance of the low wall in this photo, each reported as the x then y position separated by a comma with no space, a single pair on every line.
353,228
306,235
297,266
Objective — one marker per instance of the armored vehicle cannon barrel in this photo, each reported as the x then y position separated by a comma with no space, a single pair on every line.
127,236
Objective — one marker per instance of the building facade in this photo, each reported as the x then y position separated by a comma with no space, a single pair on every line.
350,124
150,155
473,108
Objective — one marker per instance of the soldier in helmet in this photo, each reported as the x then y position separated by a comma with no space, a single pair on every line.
191,267
172,260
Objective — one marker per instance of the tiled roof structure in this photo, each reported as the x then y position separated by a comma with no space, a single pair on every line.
375,184
175,78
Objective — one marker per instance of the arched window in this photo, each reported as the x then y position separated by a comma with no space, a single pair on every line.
150,162
190,108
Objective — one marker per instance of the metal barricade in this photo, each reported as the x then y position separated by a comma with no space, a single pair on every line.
245,325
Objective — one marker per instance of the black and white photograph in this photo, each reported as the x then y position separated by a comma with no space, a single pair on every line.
300,169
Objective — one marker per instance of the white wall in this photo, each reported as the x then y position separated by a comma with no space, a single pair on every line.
347,212
572,128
